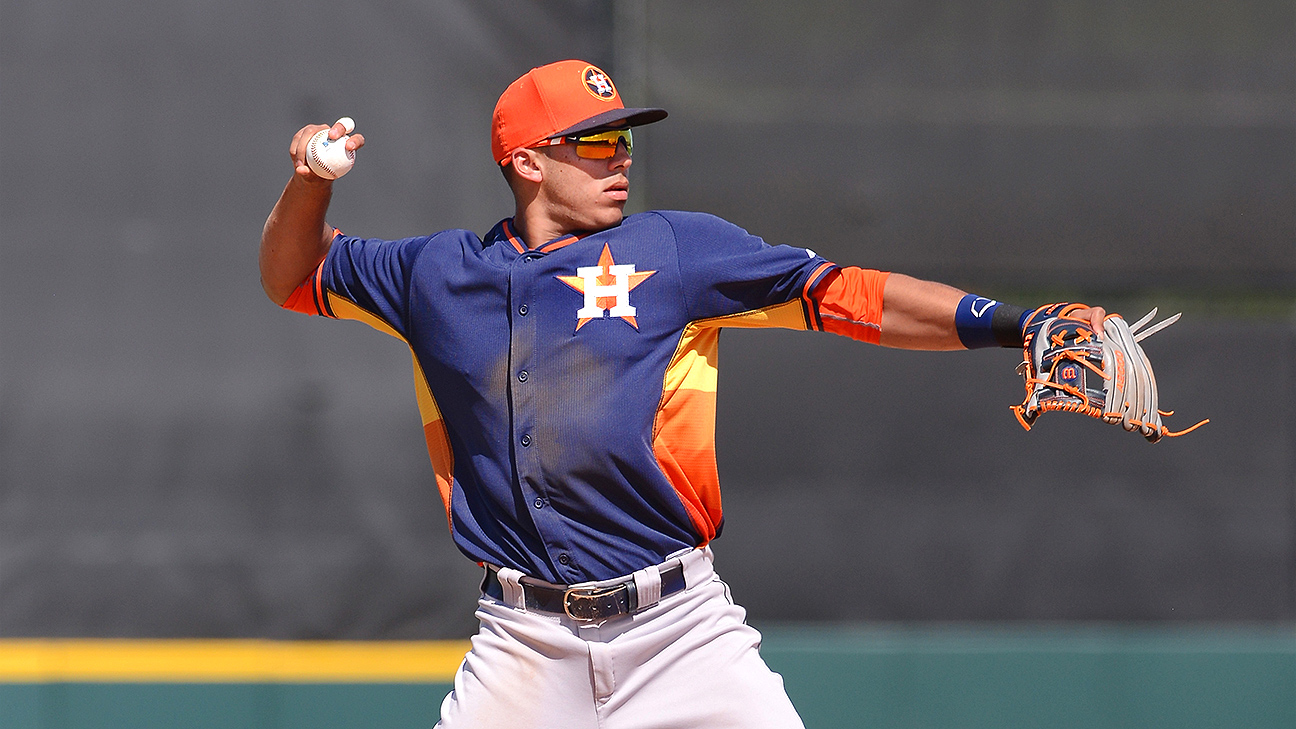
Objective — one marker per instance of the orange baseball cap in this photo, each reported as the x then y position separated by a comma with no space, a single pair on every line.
557,100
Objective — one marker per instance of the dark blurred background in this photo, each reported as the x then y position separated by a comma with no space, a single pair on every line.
179,458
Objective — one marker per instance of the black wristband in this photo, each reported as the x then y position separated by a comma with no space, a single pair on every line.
1006,325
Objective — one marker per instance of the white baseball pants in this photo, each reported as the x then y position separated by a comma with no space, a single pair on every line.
688,662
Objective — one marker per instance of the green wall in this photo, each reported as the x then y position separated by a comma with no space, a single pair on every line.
1055,677
882,677
219,706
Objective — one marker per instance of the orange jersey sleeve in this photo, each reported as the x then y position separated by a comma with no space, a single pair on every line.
308,297
850,302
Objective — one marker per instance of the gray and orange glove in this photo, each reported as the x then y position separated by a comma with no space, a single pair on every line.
1068,366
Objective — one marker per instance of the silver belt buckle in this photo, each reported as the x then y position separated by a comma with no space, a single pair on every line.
590,595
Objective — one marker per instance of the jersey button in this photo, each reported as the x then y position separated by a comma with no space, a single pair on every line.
563,559
538,503
526,441
523,375
523,309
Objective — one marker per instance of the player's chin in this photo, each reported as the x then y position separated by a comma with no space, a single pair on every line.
610,213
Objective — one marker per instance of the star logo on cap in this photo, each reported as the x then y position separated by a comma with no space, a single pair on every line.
598,83
607,288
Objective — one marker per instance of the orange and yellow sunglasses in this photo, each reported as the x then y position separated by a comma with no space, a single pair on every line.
602,145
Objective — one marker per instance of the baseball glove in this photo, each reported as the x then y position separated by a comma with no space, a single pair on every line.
1068,367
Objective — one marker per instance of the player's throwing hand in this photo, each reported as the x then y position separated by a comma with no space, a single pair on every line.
300,146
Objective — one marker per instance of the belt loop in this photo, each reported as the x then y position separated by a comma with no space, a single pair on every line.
510,581
698,567
647,583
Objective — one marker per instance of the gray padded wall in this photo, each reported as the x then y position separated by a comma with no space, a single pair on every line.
179,458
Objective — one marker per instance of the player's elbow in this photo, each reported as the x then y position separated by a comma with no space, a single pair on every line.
272,280
284,267
277,283
278,294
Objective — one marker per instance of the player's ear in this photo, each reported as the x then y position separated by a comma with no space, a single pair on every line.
527,165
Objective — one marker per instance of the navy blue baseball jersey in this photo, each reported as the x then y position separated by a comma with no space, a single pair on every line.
568,393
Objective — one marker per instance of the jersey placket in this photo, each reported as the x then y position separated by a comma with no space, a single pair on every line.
526,307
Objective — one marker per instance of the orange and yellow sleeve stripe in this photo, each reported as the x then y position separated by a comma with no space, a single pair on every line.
684,428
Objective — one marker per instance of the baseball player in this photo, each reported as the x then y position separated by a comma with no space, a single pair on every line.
565,369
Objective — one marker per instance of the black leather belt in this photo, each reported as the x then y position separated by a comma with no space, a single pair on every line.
585,604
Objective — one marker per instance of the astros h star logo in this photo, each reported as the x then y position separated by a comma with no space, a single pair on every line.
607,288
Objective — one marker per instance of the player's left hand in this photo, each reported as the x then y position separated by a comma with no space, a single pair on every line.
1094,315
1079,359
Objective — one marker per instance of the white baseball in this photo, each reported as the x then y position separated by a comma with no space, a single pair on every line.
329,158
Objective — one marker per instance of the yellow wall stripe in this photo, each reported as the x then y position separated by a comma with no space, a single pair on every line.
229,661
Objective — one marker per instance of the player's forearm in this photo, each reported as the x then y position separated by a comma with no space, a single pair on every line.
296,237
919,314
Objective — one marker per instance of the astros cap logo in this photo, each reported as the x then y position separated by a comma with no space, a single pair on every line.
598,83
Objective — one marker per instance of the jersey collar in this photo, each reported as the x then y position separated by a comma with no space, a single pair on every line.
505,232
